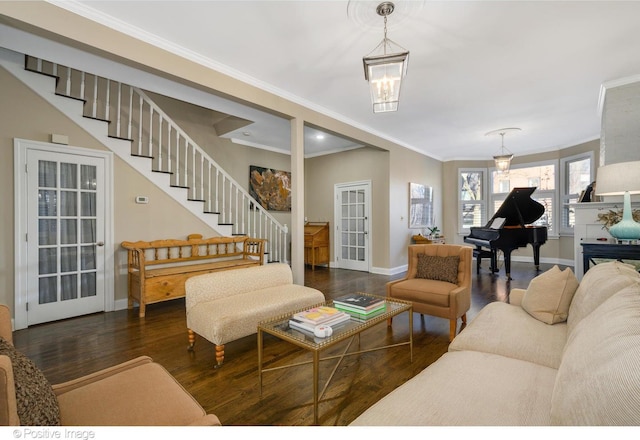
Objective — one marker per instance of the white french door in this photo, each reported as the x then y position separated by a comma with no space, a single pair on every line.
352,214
63,252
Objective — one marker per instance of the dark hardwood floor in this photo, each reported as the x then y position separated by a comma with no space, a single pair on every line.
74,347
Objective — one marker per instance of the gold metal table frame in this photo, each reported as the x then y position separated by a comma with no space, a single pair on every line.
279,327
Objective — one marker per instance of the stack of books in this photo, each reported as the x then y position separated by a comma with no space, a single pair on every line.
310,319
360,307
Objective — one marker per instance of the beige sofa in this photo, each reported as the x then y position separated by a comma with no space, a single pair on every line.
228,305
139,392
523,364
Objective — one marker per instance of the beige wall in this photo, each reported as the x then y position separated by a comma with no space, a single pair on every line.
33,118
60,25
324,172
408,166
390,173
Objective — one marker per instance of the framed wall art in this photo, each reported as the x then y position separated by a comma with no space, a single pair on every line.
420,206
271,188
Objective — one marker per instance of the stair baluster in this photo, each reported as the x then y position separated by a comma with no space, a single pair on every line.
133,116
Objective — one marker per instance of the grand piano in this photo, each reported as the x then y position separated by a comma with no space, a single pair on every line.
510,228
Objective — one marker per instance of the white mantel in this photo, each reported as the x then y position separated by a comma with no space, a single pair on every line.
588,226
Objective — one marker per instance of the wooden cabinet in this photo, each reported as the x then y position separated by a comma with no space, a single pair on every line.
316,243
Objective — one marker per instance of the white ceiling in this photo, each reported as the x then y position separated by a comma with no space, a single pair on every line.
474,67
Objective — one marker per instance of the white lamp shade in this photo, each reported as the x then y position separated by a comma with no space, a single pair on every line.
617,178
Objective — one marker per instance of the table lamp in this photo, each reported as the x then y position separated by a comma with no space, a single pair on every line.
621,179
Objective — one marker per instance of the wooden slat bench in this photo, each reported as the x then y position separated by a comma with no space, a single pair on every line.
157,270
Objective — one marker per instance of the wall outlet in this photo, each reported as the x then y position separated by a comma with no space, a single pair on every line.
142,199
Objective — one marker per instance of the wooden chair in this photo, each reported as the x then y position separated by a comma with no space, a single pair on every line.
436,297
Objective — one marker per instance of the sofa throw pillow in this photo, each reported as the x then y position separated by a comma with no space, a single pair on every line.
438,268
549,295
37,403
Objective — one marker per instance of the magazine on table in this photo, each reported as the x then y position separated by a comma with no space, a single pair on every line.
299,324
349,309
359,301
318,315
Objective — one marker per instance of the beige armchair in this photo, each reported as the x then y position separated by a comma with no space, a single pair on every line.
433,285
137,392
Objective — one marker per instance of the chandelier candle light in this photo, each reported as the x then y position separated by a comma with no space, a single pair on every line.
385,67
621,179
503,160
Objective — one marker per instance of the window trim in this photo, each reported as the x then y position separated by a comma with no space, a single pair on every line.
564,196
483,202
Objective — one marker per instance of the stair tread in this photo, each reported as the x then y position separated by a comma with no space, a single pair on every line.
103,106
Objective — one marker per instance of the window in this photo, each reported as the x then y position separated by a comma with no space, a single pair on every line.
542,176
577,172
503,185
534,181
472,203
478,201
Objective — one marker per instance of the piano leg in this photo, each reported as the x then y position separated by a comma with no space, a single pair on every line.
536,255
494,261
507,263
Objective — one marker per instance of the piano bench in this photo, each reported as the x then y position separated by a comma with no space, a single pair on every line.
479,254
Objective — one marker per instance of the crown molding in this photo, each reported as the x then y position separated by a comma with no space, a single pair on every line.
86,11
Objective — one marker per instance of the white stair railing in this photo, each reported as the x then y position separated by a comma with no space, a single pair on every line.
133,116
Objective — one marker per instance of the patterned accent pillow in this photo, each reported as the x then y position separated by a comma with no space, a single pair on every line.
438,268
36,401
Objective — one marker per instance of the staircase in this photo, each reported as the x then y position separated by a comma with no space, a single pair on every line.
134,120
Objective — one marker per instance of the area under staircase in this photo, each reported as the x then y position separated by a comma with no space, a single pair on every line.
138,131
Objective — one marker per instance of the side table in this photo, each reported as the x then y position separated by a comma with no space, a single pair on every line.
607,249
421,239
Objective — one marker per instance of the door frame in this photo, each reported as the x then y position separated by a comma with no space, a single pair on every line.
337,217
20,149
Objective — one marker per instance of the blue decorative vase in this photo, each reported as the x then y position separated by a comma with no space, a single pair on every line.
627,228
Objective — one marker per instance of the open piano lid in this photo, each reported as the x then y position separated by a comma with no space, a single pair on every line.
519,209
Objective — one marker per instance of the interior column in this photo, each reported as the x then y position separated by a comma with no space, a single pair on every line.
297,200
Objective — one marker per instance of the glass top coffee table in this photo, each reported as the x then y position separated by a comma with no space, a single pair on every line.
279,327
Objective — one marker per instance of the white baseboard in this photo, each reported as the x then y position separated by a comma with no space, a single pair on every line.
391,271
120,304
405,267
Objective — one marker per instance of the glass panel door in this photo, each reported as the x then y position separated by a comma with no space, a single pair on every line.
66,196
352,237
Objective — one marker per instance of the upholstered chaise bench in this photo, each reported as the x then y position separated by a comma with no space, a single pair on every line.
226,306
